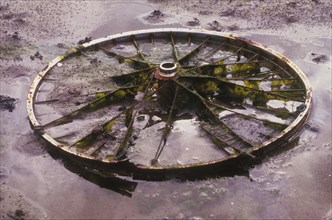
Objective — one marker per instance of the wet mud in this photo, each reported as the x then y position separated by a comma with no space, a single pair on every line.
291,182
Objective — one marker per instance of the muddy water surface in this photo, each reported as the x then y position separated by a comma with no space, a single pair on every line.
294,182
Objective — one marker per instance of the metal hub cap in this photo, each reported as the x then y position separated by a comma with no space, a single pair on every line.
167,70
165,99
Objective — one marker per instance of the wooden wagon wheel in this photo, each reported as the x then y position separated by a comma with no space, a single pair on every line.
168,99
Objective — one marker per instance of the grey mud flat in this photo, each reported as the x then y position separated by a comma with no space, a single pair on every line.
293,183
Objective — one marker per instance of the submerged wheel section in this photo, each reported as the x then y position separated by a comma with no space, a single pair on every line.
168,99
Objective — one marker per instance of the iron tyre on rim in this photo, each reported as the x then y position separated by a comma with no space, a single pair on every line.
166,99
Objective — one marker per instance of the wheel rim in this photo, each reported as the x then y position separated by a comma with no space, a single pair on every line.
168,99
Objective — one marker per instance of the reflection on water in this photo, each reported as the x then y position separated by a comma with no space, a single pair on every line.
111,182
124,178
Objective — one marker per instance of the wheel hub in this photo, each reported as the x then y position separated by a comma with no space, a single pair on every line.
166,71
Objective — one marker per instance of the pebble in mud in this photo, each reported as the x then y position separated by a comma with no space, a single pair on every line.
18,58
227,13
7,103
215,26
312,126
85,40
292,19
95,61
17,215
233,27
319,58
20,21
194,22
37,55
205,12
155,16
16,36
62,45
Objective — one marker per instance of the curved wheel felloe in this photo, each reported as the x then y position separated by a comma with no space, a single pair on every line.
168,99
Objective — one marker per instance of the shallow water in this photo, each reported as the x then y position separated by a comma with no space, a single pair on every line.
294,182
